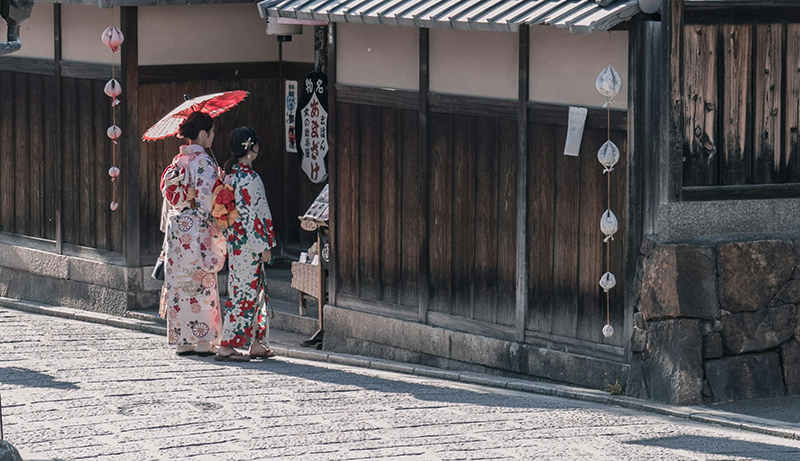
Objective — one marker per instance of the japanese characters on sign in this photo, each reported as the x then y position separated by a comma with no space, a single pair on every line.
291,111
313,133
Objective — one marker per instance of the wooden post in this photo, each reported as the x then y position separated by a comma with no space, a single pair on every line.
59,187
130,128
637,101
522,182
333,162
424,175
671,171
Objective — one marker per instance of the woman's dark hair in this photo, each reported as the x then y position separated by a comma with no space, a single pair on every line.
194,124
238,139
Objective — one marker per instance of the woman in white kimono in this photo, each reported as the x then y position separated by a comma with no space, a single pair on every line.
250,238
194,247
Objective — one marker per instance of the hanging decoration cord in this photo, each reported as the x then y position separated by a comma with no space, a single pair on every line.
113,38
609,84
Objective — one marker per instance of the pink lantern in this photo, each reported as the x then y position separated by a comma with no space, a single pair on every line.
113,88
113,38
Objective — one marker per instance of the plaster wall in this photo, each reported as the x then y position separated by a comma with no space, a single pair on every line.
474,63
213,33
81,27
196,34
37,34
377,56
564,66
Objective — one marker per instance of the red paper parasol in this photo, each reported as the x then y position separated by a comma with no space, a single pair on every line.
211,104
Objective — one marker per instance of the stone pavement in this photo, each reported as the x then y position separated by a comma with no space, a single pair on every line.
74,390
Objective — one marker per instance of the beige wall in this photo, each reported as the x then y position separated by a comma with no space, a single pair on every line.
213,33
36,33
564,66
377,56
81,28
474,63
167,35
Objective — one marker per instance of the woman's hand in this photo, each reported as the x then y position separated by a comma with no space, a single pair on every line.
266,256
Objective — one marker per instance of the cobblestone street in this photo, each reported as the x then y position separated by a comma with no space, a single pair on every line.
75,390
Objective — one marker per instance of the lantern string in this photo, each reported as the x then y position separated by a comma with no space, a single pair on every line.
113,119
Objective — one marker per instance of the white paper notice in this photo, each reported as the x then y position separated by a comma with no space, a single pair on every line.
292,99
577,119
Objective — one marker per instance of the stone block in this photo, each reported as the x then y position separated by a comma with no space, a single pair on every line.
36,262
760,330
638,320
712,346
639,339
671,369
751,273
790,293
750,376
98,273
790,358
679,281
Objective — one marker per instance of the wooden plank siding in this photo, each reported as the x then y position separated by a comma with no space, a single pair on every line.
471,210
741,105
472,216
700,105
29,163
261,111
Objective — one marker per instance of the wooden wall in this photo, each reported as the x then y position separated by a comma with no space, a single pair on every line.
741,103
472,219
378,203
29,162
289,191
567,256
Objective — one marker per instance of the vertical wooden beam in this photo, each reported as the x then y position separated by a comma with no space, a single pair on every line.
333,163
522,182
424,175
637,124
59,187
130,145
671,172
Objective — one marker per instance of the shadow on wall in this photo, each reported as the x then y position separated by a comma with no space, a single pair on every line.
15,376
723,446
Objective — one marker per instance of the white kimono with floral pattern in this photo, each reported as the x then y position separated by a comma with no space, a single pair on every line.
194,253
248,237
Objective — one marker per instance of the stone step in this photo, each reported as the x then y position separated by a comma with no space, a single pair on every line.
286,317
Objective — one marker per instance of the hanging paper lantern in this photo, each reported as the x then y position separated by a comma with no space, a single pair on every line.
608,281
113,88
609,84
113,38
609,225
114,206
113,172
114,132
608,331
608,155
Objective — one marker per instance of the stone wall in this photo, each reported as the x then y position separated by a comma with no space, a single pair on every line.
717,323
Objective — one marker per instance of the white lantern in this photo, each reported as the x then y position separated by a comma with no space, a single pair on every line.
113,38
608,155
114,205
113,172
608,331
113,88
609,225
114,132
609,84
608,281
